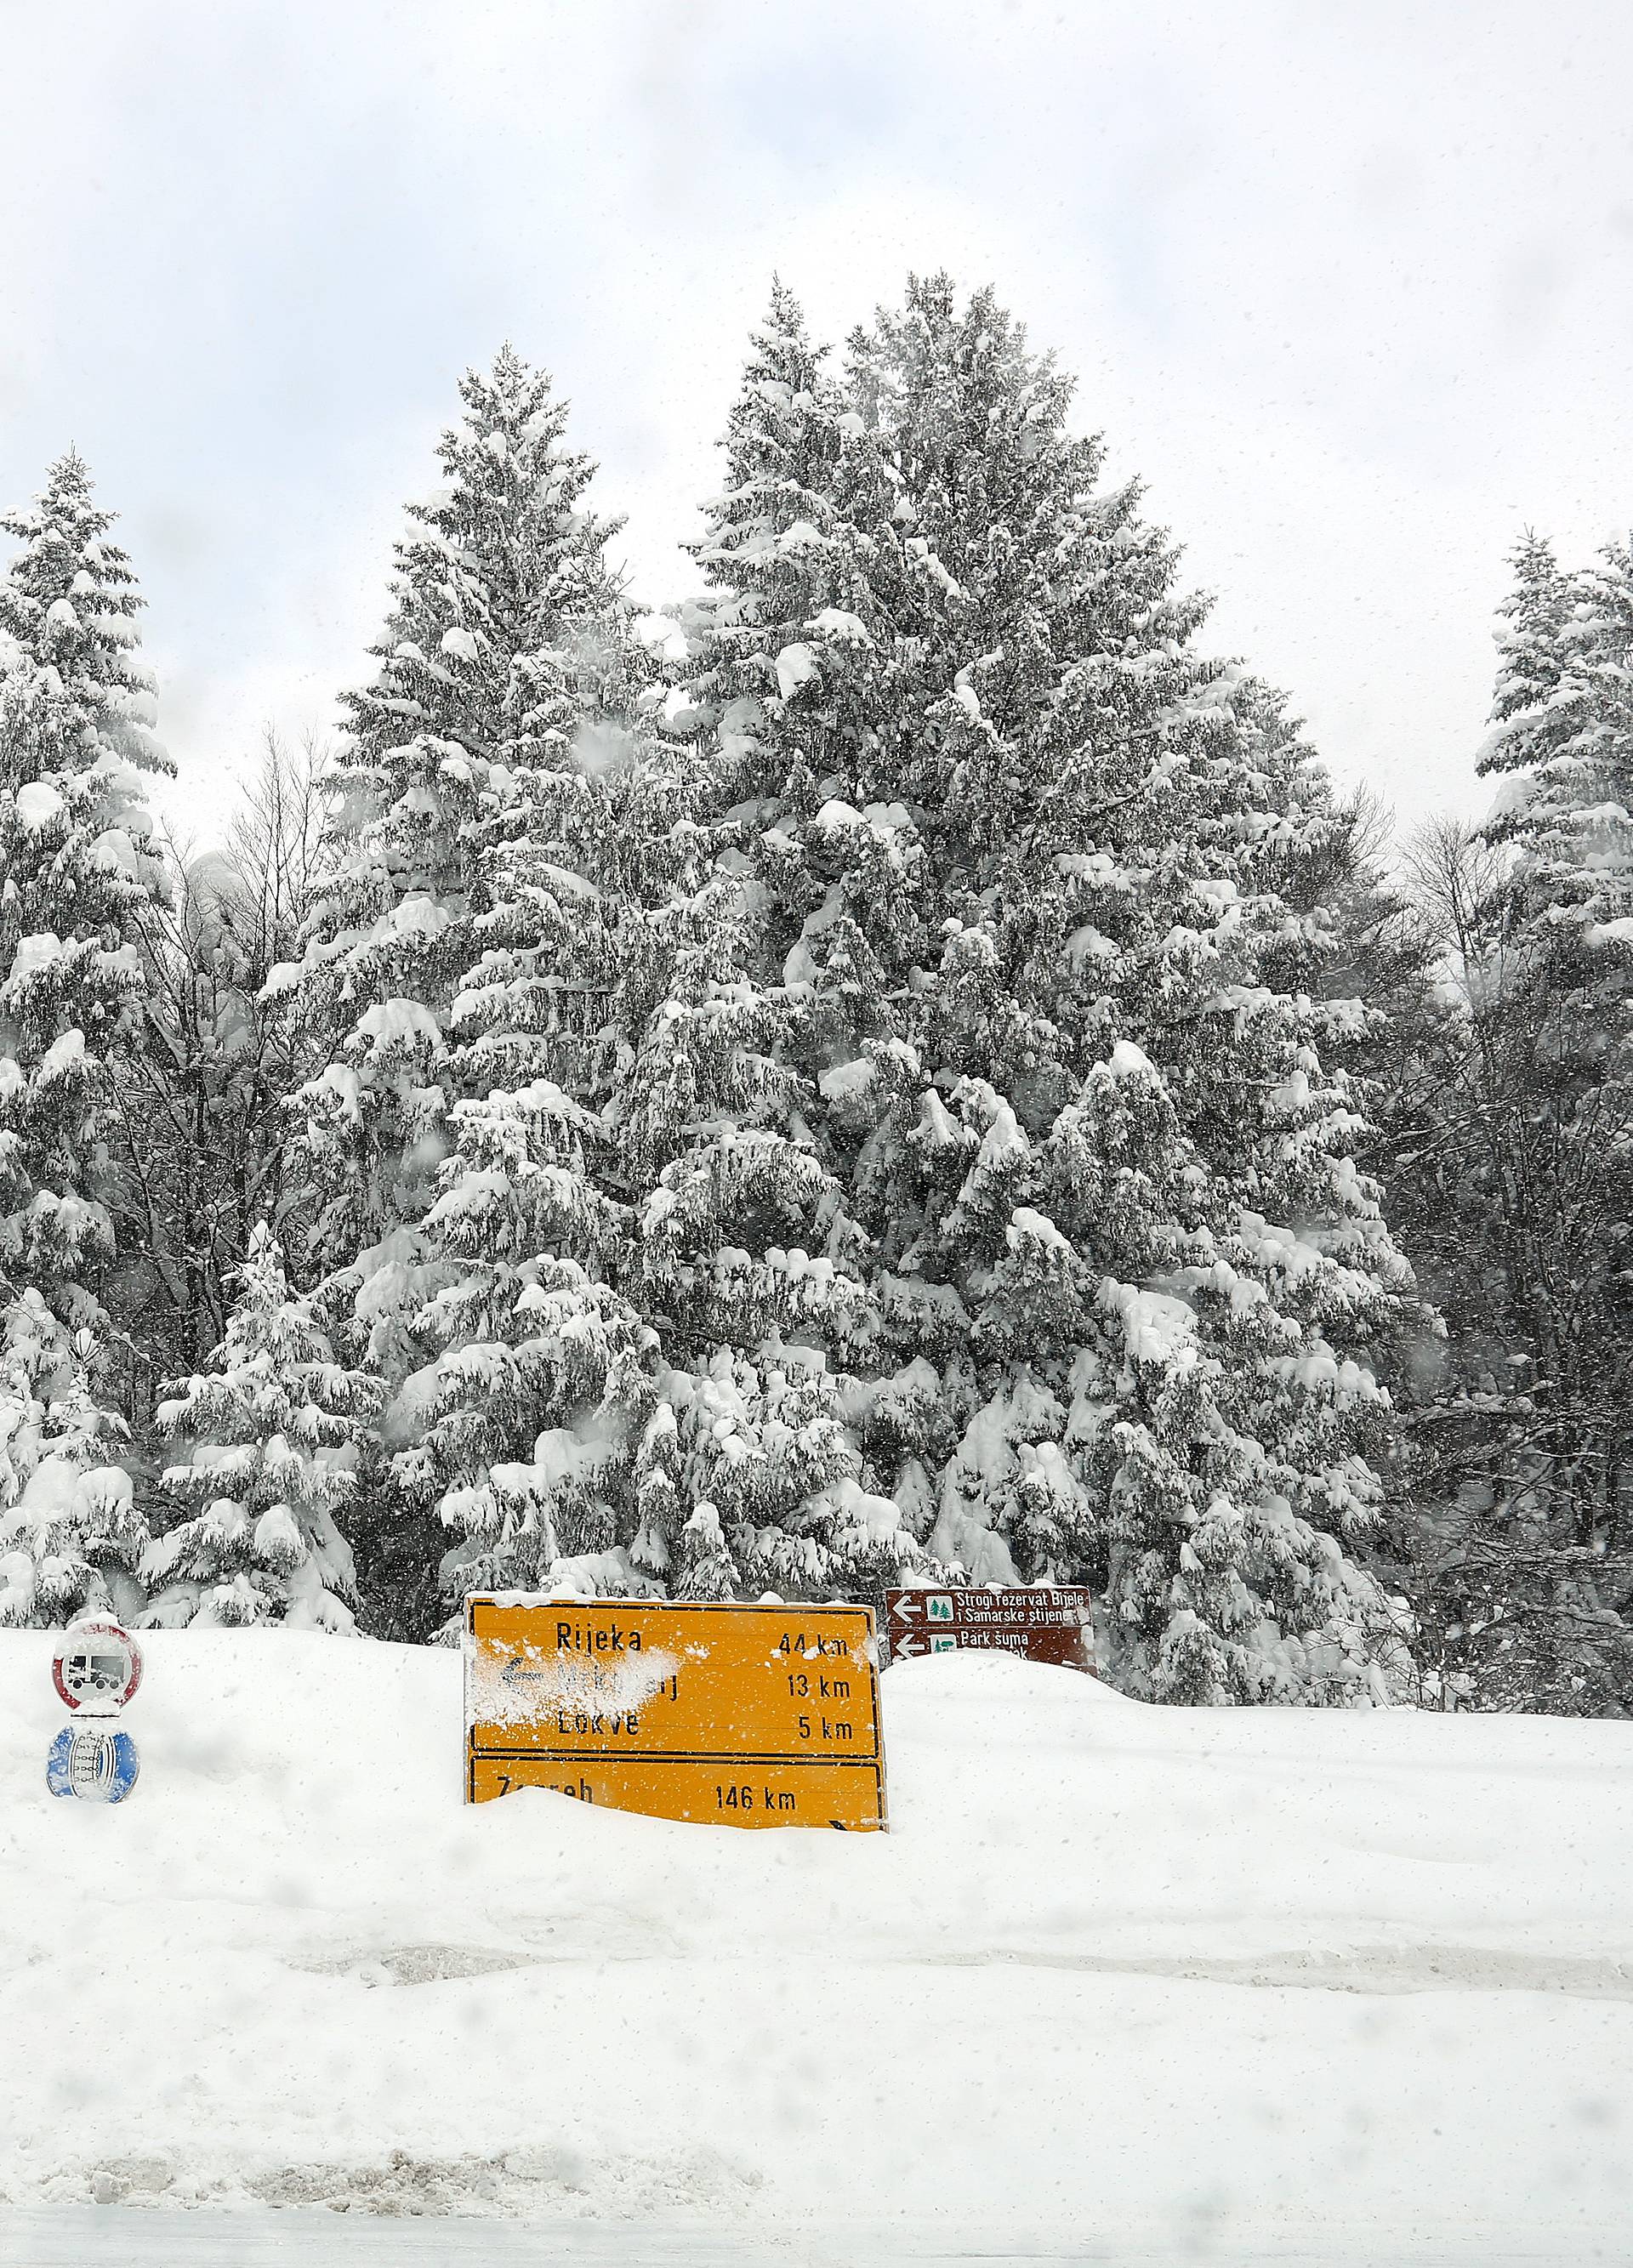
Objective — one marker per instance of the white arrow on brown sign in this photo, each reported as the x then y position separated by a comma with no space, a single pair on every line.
1050,1623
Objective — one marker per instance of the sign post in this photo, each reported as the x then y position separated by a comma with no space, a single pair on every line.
96,1669
742,1716
1048,1624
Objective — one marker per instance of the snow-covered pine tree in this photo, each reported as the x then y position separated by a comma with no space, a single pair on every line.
272,1433
1563,720
70,1535
1043,1021
418,782
748,1263
1125,1188
1530,1110
79,866
502,585
520,1425
78,872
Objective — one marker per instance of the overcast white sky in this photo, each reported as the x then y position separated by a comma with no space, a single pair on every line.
1350,286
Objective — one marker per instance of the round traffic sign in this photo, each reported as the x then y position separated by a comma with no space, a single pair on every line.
97,1668
94,1762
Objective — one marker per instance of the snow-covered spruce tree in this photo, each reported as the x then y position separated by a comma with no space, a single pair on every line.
1527,1125
1171,1278
1563,720
502,598
521,1422
1044,1020
77,872
272,1434
71,1536
748,1263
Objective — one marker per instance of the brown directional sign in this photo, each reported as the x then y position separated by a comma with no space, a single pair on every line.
748,1716
1045,1624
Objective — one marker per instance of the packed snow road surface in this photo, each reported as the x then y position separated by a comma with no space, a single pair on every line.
91,2236
1227,1985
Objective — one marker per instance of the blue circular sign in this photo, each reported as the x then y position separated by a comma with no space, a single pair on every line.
89,1761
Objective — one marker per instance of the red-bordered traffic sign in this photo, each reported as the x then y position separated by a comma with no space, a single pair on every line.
97,1668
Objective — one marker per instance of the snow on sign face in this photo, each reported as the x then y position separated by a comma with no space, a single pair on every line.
97,1668
744,1716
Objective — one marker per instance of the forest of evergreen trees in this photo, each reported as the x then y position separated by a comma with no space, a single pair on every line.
914,1072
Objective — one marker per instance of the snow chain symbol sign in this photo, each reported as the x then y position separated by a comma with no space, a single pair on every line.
96,1669
742,1716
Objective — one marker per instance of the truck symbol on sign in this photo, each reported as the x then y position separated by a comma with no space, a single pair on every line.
97,1668
95,1673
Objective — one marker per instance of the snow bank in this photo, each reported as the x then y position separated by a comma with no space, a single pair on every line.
1227,1976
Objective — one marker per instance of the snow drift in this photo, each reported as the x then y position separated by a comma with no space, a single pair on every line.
1215,1975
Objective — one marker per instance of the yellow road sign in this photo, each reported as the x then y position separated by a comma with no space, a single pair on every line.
726,1791
622,1679
576,1694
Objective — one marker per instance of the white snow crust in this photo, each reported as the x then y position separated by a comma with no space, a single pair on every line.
796,664
39,806
1269,1983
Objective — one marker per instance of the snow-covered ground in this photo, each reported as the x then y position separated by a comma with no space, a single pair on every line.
1237,1985
304,2236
